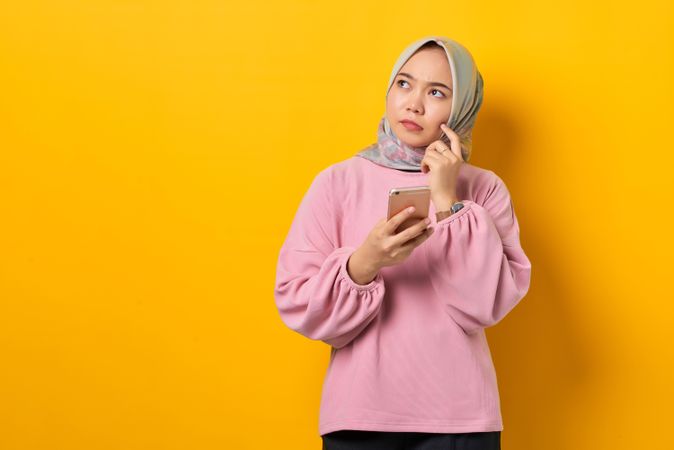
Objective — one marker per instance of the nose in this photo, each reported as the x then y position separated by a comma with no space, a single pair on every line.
414,104
413,107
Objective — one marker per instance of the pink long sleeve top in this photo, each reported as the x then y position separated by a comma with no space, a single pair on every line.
408,349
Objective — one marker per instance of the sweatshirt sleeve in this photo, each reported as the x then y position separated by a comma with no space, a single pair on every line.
314,294
477,267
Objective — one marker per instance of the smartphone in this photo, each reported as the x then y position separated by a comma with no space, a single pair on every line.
404,197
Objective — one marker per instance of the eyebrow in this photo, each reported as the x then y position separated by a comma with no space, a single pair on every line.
432,83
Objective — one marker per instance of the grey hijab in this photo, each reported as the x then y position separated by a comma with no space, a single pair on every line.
467,88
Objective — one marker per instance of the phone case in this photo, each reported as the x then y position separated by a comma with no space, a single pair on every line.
401,198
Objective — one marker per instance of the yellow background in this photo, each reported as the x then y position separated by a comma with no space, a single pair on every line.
153,154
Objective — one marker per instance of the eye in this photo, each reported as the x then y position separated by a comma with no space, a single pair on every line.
401,81
436,90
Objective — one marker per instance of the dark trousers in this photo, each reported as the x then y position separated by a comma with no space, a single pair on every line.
408,440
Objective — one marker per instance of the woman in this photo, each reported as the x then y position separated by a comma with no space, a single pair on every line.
405,312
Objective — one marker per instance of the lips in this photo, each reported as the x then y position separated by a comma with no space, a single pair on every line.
411,125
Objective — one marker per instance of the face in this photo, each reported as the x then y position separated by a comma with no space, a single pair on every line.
421,92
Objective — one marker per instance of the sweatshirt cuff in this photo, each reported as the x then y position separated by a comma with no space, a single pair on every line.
344,274
467,204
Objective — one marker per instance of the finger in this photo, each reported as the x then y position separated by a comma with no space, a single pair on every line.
454,139
437,147
411,232
417,241
425,167
397,219
455,142
428,162
448,131
432,159
439,150
431,154
445,154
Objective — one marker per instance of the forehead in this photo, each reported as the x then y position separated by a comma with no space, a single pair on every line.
429,64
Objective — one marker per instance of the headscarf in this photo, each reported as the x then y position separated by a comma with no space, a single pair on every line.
467,86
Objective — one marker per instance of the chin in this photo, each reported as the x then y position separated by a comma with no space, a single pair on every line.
412,141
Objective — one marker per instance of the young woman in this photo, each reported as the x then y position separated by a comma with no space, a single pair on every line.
405,312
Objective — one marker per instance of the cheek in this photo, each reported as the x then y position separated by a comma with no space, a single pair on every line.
439,113
396,100
445,111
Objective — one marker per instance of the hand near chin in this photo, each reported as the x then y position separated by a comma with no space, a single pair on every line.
443,162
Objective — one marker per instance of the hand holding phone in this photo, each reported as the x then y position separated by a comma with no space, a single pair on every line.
390,242
400,198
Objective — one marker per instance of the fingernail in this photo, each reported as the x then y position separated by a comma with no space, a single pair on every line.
410,209
427,220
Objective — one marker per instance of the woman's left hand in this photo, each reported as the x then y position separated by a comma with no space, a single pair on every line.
443,162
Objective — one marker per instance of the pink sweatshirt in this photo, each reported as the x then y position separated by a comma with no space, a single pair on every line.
409,352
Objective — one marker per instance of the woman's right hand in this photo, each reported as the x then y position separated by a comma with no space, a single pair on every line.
384,247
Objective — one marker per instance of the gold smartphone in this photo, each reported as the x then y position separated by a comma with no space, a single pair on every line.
403,197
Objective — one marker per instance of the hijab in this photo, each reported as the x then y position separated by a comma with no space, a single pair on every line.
467,86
